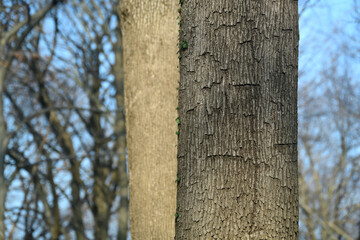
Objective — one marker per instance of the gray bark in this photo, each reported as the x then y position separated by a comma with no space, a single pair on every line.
237,150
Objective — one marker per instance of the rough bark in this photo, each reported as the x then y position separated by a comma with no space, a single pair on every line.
149,35
237,150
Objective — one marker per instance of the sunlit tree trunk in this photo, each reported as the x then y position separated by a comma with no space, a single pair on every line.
150,34
237,150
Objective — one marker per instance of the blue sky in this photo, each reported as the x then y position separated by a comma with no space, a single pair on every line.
324,29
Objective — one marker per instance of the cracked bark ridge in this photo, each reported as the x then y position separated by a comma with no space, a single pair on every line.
237,150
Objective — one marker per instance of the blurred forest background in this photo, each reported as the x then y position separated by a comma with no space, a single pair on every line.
62,125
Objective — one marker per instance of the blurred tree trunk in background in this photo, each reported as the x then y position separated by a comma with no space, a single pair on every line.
3,148
10,42
120,129
150,33
65,115
237,150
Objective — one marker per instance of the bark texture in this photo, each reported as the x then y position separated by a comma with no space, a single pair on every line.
237,150
150,34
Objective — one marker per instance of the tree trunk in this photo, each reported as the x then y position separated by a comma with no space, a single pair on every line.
5,61
150,34
120,129
102,195
65,141
237,150
3,148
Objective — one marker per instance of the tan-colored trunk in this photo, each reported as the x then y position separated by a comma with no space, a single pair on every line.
150,34
237,150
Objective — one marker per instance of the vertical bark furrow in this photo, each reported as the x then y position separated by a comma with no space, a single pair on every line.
237,151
